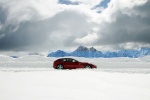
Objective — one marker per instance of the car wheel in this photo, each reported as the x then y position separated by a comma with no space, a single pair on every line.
60,66
88,67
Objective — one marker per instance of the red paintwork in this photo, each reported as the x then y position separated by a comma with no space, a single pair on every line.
69,64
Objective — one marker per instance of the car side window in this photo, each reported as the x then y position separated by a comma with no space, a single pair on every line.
69,60
64,60
73,60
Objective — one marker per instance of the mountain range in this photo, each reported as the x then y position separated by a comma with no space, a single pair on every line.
83,51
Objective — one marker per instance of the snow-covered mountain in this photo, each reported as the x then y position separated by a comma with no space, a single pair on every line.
82,51
35,53
145,51
58,53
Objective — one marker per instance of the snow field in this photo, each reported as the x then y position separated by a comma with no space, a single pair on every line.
36,61
33,78
74,85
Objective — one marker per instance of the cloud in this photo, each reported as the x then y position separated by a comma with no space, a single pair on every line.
1,26
29,10
128,25
45,34
88,39
60,24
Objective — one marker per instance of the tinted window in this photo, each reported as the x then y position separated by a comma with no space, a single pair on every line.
69,60
74,60
64,60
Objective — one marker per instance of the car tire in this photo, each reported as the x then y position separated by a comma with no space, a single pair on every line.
88,67
60,66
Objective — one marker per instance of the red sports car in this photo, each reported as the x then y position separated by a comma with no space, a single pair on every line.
69,63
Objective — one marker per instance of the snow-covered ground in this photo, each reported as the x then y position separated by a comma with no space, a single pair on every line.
33,78
36,62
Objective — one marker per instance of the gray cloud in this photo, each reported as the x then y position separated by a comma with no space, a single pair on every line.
55,32
134,28
31,32
3,15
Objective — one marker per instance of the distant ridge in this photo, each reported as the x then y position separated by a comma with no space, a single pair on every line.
58,53
83,51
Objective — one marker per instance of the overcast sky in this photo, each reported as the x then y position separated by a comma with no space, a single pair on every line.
28,25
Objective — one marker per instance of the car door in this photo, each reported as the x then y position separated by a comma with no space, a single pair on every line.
75,63
65,63
69,63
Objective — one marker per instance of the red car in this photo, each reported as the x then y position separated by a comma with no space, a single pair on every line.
69,63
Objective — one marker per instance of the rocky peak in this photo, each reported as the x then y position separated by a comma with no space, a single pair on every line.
82,48
92,49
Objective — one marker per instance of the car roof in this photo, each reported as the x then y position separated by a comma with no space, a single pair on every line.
66,58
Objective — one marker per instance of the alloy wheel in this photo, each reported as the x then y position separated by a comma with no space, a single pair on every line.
59,66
